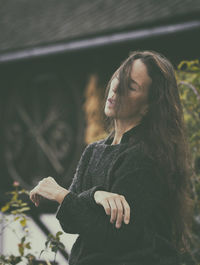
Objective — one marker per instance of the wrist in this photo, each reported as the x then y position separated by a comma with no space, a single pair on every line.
96,195
61,195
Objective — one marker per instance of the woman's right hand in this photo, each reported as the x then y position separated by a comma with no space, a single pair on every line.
114,205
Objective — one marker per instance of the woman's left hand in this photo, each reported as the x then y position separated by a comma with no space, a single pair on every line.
49,189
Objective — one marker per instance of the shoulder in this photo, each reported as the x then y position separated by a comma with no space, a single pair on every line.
91,146
137,154
132,159
136,166
95,144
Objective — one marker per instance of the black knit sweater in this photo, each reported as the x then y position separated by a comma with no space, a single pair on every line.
126,170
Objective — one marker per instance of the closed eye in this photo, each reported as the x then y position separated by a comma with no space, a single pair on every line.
134,85
132,88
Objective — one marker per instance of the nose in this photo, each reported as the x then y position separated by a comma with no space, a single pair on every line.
114,88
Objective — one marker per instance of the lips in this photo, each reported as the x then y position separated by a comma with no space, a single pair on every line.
111,100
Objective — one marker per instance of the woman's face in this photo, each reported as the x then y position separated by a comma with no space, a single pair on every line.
135,104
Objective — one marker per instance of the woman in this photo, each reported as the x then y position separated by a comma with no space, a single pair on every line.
129,198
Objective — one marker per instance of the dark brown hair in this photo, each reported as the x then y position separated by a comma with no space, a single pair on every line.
165,138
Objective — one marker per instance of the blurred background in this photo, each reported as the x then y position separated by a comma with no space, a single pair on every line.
56,58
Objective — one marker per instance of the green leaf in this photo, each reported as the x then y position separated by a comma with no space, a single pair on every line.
41,253
58,234
21,249
23,209
14,212
46,243
61,246
23,239
23,204
23,222
15,196
27,245
54,249
30,257
5,208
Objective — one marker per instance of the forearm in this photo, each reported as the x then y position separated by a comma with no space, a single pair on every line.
77,211
78,216
60,194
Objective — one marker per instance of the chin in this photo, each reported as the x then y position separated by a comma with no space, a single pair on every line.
109,113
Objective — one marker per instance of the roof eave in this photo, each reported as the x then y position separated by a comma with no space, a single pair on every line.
100,41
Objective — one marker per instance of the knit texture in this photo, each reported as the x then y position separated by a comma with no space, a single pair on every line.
126,170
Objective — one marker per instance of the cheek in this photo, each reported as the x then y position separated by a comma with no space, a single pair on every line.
136,103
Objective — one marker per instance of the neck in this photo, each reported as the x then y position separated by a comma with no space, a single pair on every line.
120,128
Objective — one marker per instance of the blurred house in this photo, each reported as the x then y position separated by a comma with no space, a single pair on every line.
50,51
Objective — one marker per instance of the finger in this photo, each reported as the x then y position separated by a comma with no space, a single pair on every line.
32,195
37,199
106,206
126,210
113,207
119,212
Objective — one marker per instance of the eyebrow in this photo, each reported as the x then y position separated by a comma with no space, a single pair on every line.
133,81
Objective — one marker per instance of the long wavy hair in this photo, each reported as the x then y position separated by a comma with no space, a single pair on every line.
165,138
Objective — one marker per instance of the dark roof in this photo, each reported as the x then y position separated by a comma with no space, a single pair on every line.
26,24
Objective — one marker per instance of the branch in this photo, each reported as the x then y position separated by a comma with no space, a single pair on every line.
193,88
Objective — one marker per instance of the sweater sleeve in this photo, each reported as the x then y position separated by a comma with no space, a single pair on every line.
75,188
137,182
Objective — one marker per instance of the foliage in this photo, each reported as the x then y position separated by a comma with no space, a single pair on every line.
17,208
188,78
